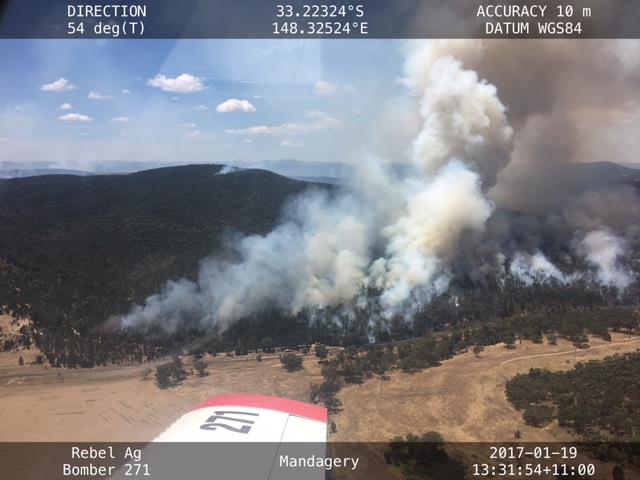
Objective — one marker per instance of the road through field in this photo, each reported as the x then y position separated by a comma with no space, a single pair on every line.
464,398
606,346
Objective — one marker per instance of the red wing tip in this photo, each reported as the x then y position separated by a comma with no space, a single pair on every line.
299,409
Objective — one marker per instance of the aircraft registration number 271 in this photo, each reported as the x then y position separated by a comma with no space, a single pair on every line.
219,419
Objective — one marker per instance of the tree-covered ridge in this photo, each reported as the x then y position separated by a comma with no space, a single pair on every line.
598,400
75,250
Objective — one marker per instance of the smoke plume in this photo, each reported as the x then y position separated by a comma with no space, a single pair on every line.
603,251
535,268
498,130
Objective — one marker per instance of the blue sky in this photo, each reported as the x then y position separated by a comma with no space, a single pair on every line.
75,103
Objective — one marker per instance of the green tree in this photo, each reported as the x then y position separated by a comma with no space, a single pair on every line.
510,341
170,374
164,376
200,367
291,362
538,415
321,351
267,344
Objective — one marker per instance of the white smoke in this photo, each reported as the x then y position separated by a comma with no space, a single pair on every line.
421,243
464,142
535,268
317,257
604,250
228,169
463,118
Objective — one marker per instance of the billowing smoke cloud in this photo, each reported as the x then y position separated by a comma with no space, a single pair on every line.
464,142
464,119
408,238
422,241
603,250
317,257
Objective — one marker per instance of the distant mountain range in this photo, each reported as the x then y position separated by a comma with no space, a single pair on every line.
583,174
327,172
34,172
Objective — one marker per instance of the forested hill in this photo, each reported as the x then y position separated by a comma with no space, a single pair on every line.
78,249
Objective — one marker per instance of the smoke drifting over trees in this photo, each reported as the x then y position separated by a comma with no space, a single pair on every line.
498,125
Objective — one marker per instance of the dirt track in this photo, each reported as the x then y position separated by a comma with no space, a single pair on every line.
463,399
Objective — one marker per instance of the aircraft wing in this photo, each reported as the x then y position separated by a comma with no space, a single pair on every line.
249,418
240,437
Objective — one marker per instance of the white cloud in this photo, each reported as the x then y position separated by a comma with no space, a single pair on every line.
126,91
4,139
75,117
201,108
324,88
197,134
317,121
290,144
98,96
235,105
60,85
317,114
188,125
184,83
65,106
121,120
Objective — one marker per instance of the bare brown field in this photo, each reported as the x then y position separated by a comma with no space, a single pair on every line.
116,404
463,399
